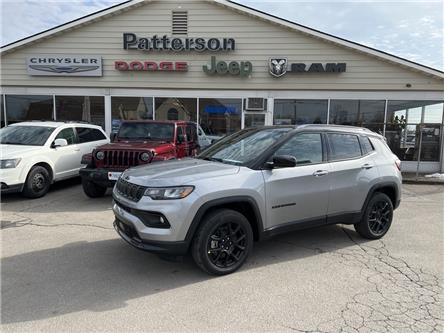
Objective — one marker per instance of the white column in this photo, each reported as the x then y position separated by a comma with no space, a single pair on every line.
108,115
270,111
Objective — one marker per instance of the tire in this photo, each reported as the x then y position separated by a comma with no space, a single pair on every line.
37,182
377,218
222,242
93,190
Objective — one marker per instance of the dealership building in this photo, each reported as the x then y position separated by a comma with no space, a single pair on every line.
225,66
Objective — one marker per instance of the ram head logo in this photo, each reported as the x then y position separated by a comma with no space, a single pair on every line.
278,66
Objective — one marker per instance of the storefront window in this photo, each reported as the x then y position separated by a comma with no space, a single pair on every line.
254,119
297,112
176,109
2,114
404,126
130,108
81,108
363,113
221,116
28,107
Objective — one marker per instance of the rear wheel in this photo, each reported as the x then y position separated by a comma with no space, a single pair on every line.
37,182
223,242
93,190
377,217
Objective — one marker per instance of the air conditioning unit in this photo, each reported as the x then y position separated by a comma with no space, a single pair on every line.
255,104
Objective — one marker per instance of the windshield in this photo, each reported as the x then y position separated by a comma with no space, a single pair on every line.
146,131
25,135
244,146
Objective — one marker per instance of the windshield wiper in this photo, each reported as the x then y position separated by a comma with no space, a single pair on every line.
213,159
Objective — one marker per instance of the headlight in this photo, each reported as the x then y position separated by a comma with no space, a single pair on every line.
9,164
100,155
145,157
168,193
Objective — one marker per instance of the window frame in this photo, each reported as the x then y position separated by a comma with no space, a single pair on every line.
329,144
363,149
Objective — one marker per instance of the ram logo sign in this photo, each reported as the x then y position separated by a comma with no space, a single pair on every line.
64,65
278,66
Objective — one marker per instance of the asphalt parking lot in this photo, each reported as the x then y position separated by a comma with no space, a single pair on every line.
64,269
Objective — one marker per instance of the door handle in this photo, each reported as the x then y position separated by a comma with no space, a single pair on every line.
320,173
367,166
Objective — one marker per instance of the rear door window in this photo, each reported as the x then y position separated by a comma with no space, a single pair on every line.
87,134
343,146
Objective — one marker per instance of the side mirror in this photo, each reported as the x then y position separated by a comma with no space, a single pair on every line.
59,143
112,136
282,161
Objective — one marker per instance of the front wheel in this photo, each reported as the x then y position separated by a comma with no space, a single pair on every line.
377,217
93,190
37,182
223,242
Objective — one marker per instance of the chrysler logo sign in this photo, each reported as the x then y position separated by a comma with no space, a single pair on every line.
64,65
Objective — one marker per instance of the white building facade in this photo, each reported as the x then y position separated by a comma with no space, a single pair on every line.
224,66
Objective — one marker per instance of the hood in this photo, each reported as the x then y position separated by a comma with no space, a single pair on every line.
16,151
134,145
181,172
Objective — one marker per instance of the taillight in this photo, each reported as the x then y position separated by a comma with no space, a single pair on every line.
398,164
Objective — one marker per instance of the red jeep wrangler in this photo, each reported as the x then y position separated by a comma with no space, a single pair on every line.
137,142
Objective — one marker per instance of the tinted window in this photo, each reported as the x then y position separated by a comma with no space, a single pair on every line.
191,133
366,144
306,148
89,134
68,135
25,135
344,146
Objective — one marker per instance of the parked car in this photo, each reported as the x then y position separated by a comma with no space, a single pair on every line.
137,142
255,184
36,154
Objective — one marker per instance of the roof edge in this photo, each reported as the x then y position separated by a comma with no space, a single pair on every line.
332,38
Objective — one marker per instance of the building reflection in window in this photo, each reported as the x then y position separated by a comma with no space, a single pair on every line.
172,108
90,109
130,108
29,107
220,116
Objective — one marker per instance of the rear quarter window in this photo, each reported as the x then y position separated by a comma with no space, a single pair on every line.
343,146
366,145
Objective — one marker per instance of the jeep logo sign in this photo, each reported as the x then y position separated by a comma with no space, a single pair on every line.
242,69
64,65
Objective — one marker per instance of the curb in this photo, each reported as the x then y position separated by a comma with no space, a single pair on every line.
421,181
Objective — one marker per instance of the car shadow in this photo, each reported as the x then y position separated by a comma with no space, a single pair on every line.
104,275
58,199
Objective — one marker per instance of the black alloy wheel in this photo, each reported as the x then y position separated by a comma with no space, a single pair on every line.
227,244
222,242
377,217
380,216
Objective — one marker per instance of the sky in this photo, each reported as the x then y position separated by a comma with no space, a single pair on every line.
410,29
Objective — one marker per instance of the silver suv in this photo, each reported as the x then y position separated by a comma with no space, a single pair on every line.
255,184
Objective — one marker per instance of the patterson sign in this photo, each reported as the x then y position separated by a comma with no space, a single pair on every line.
64,65
165,43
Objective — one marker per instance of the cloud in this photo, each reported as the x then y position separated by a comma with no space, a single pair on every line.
413,29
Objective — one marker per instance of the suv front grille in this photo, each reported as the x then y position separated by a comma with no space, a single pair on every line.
130,191
121,158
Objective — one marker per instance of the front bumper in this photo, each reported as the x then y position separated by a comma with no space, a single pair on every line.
5,188
130,235
97,176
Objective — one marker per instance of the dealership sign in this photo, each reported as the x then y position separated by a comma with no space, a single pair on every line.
151,66
156,43
280,66
242,68
64,65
